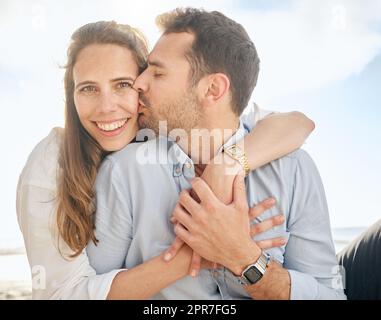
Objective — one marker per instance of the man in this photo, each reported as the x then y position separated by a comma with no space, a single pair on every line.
200,77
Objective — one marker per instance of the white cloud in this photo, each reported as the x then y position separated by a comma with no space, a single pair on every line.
307,45
313,44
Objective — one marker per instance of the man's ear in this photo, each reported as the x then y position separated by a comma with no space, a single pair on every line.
217,88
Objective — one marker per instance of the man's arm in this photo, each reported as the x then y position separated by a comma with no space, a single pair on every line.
310,268
223,234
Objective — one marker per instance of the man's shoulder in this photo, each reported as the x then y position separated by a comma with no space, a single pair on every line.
139,156
297,155
287,165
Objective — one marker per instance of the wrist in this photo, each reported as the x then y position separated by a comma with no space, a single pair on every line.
244,258
237,153
229,165
182,261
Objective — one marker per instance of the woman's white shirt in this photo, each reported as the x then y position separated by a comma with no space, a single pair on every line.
53,276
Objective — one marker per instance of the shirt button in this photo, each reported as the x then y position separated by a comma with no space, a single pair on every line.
188,165
178,170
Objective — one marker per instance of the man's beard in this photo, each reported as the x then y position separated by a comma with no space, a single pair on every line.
183,113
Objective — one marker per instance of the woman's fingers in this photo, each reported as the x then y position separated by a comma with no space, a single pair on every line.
195,265
266,225
261,208
173,249
271,243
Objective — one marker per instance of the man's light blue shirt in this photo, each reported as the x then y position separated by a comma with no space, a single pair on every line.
135,202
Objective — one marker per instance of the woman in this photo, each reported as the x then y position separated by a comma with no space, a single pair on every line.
55,191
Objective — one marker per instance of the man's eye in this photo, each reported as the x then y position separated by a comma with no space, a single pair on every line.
157,75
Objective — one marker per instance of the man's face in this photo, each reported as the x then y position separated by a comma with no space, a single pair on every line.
166,91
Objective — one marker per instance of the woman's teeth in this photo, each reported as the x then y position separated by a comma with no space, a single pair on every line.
111,126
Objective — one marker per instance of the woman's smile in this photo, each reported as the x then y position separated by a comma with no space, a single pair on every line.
111,128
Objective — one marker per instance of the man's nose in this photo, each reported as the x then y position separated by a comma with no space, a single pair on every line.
141,83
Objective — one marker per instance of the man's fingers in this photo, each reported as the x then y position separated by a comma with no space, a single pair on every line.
173,249
189,204
195,265
194,196
183,217
266,225
203,191
271,243
260,208
182,233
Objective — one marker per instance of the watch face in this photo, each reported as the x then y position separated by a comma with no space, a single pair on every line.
253,275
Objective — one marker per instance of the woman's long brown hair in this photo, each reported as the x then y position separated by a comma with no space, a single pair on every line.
80,155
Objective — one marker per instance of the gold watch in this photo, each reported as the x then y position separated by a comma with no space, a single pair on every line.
239,155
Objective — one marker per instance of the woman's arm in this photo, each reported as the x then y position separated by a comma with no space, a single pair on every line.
57,278
142,282
271,138
276,136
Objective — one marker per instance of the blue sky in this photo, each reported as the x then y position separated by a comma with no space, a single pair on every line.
320,57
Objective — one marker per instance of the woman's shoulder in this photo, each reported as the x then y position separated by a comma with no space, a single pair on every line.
41,168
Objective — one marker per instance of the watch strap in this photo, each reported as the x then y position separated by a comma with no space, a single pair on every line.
257,269
239,155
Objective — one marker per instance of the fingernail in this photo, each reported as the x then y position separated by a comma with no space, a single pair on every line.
270,201
194,273
167,257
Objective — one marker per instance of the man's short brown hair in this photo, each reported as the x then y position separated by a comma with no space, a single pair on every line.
220,45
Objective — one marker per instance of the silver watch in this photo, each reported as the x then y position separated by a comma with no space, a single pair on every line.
254,272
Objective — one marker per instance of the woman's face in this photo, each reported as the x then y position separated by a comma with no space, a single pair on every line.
106,104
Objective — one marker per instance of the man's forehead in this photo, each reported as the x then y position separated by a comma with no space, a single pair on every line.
170,46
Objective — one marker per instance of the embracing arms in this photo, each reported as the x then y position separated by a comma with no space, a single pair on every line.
144,274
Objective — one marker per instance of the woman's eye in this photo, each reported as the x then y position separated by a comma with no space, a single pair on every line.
124,85
89,89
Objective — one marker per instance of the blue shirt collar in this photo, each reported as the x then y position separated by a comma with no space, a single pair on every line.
183,164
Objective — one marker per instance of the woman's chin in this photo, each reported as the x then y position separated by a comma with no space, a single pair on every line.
113,146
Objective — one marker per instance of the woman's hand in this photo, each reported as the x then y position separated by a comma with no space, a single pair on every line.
219,175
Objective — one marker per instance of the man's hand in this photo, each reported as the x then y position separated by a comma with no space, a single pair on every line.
217,232
219,174
256,229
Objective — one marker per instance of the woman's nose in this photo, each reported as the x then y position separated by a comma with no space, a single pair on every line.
108,103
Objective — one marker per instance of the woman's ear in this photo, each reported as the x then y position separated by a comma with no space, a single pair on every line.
216,88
